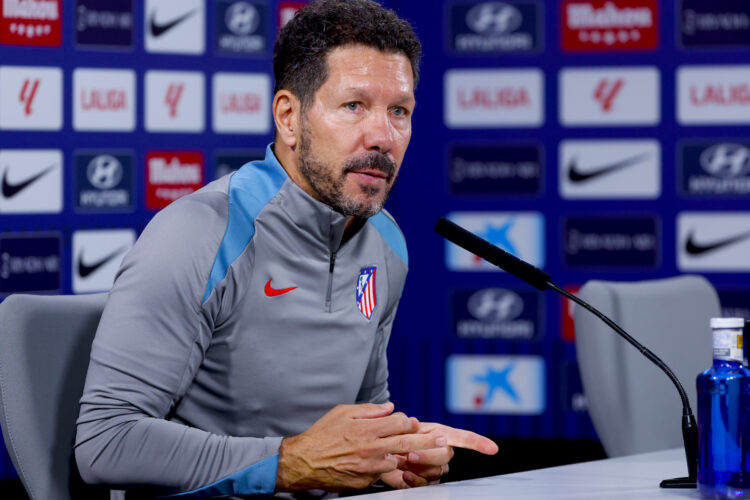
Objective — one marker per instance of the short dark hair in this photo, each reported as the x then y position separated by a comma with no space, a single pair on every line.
303,44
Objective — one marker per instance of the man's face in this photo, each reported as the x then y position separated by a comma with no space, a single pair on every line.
354,134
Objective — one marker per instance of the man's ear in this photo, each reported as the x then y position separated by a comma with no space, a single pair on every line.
286,114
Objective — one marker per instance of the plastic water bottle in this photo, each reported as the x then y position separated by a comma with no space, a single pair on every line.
723,449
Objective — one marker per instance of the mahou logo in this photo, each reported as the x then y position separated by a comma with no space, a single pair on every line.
713,94
31,22
171,175
609,25
241,103
104,99
30,98
500,98
174,101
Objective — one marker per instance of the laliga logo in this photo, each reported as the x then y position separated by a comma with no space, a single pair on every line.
493,18
242,18
173,96
495,304
606,92
726,160
104,172
27,94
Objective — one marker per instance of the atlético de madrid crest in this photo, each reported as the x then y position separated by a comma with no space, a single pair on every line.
366,299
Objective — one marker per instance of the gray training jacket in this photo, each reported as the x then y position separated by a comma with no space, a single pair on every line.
206,356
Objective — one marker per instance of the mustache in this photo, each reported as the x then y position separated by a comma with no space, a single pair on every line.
372,161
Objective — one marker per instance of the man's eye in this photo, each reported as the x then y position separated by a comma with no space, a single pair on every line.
399,111
352,106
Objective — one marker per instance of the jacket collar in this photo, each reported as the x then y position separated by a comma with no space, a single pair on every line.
307,213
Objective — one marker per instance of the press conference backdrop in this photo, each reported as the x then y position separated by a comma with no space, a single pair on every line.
595,139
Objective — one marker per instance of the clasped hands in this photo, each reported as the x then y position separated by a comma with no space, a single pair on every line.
352,446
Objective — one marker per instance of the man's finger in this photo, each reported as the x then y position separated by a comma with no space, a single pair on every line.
435,456
392,425
471,441
463,439
402,460
387,464
394,479
369,410
414,480
412,442
429,472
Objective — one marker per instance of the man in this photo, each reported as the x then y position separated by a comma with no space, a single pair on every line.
260,306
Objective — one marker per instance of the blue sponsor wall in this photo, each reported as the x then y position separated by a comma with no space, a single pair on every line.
505,88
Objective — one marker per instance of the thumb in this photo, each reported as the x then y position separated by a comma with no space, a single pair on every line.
369,410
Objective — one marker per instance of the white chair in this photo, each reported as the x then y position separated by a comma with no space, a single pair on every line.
45,343
634,406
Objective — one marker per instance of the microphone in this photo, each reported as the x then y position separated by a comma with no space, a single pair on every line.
542,281
492,254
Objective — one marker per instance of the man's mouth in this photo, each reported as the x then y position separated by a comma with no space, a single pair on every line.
373,168
372,173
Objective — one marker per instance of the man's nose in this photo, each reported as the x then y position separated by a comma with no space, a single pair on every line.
379,133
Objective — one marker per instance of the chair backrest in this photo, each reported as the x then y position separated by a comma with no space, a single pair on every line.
45,343
634,406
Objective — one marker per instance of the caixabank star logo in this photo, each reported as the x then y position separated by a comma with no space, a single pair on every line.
509,385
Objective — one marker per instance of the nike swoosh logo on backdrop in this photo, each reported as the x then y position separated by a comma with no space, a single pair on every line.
84,269
576,175
694,248
159,29
10,190
272,292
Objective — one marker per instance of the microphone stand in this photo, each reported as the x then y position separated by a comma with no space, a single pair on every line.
689,426
542,281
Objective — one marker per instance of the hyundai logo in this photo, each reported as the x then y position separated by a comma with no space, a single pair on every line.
493,18
495,304
726,160
242,18
104,171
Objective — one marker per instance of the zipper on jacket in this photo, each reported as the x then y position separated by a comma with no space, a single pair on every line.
330,281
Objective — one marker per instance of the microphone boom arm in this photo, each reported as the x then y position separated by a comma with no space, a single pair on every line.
689,426
542,281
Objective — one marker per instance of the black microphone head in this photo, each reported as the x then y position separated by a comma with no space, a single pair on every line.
492,254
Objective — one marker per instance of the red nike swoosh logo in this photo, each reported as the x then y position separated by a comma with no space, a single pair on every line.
272,292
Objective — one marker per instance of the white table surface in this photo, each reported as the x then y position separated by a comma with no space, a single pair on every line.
632,477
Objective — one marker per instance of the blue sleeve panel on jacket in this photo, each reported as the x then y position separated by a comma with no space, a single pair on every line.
249,191
391,234
257,479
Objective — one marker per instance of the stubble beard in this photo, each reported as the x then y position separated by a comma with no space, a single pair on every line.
329,186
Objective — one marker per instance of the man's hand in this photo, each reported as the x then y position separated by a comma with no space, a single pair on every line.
351,447
423,467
